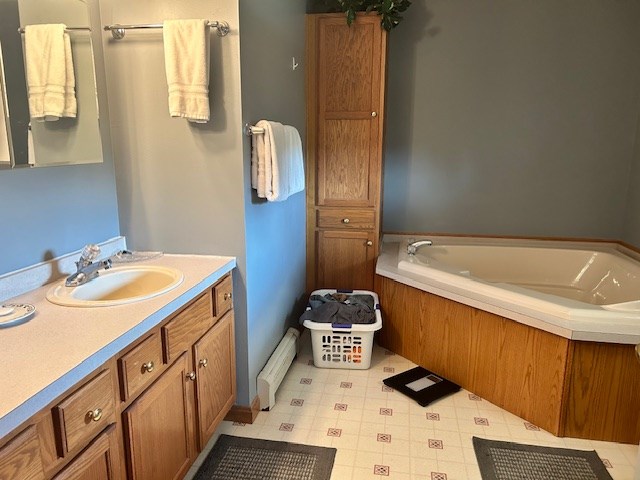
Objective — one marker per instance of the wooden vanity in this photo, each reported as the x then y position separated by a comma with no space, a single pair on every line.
145,412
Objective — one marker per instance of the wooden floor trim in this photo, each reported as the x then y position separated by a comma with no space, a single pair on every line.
243,413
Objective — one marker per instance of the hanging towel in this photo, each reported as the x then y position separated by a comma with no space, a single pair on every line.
277,169
50,78
186,60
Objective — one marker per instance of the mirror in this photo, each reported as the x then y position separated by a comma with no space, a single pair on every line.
5,146
69,140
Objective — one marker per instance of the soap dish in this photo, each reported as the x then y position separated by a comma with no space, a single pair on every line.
127,256
15,313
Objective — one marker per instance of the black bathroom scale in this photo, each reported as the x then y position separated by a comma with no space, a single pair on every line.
421,385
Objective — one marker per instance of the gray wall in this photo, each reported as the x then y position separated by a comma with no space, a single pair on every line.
48,212
632,218
180,185
514,118
184,188
275,231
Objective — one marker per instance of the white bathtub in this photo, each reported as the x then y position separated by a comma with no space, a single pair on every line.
585,290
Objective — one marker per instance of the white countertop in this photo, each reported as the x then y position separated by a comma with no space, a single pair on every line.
47,355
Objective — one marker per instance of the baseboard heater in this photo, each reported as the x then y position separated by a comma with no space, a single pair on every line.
276,368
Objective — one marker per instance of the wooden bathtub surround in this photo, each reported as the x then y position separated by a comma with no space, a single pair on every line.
569,388
143,415
345,82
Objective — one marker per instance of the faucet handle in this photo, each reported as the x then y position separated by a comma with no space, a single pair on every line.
89,253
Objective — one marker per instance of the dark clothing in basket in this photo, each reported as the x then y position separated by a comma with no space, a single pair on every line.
341,309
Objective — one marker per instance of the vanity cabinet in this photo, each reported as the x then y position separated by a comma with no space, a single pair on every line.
174,418
158,427
99,461
214,366
146,413
345,116
20,459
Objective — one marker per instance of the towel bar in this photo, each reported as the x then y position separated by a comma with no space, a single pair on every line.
251,130
68,29
118,31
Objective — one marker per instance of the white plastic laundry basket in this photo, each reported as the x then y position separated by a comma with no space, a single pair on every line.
343,346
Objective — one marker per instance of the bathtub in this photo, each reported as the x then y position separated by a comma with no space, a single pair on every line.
580,290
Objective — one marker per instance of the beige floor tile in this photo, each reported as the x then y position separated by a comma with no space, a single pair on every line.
341,472
408,456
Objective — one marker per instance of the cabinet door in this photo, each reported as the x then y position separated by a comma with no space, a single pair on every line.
215,380
350,98
99,461
158,427
345,259
20,459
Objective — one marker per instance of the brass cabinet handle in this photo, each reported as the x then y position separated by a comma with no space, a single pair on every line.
95,415
369,243
148,367
374,114
204,362
638,351
191,376
345,220
228,296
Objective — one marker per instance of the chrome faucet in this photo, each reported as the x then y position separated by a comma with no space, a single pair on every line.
87,267
413,246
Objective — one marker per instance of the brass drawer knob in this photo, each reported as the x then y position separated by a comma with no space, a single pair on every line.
345,220
148,367
191,376
95,415
369,243
227,296
204,362
374,114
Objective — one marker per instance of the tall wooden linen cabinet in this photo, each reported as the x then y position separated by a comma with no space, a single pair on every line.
346,68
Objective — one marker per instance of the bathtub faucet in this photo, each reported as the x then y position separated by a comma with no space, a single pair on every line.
413,246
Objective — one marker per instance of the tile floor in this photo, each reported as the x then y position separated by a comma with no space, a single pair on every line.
380,433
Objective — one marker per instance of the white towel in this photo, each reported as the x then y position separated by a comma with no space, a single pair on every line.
277,169
50,78
186,60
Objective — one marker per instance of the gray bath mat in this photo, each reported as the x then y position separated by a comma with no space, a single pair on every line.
238,458
508,460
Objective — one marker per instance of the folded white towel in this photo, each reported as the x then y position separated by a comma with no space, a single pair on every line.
50,78
277,169
186,59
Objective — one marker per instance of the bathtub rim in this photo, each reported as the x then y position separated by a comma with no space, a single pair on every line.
553,322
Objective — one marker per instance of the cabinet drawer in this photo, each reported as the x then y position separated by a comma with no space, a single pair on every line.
20,459
186,327
223,293
85,412
140,366
346,218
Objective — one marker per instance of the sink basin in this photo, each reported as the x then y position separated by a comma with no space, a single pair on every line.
116,286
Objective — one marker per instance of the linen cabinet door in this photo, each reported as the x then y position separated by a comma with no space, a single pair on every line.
158,427
345,259
350,99
99,461
214,357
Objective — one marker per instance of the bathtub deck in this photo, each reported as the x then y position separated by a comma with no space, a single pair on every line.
570,388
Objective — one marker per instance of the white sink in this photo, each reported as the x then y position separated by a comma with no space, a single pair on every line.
116,286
